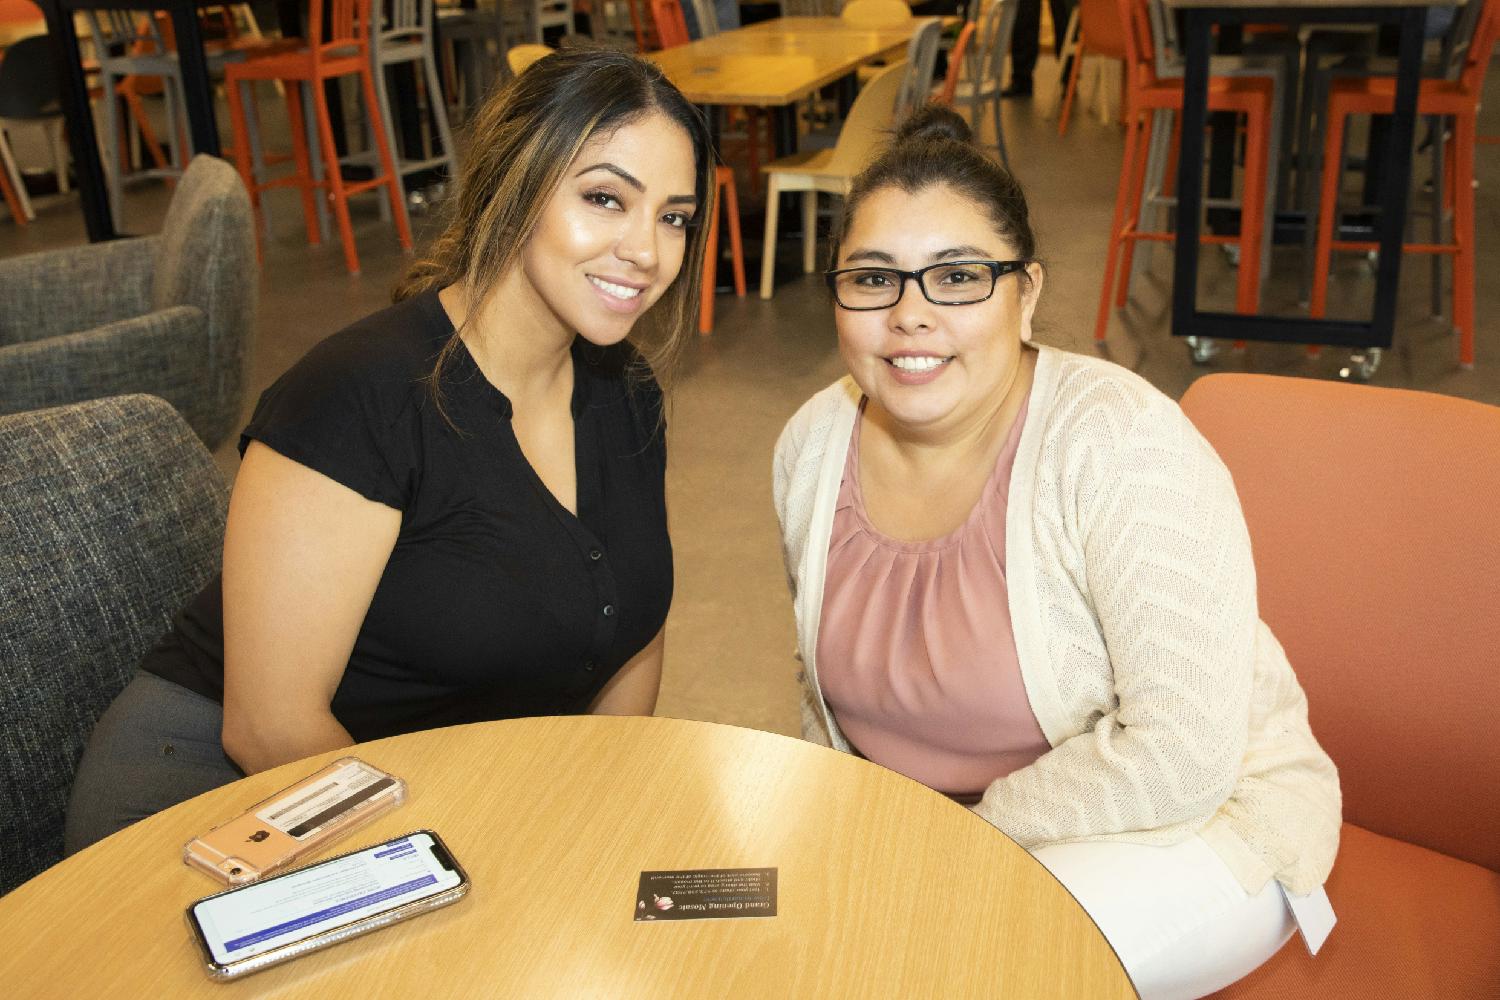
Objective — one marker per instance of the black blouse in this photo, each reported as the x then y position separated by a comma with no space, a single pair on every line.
496,602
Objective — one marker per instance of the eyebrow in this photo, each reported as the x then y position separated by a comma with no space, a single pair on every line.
628,178
965,252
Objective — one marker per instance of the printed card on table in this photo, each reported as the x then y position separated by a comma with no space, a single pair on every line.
706,893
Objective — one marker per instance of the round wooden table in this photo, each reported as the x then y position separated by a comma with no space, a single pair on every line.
886,888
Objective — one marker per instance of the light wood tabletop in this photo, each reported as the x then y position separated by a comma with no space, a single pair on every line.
777,62
886,889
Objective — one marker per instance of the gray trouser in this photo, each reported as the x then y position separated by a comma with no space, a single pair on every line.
155,746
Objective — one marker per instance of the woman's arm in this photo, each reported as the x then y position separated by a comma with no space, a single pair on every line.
302,557
1169,577
633,690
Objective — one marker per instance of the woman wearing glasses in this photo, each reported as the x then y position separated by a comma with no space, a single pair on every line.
1022,578
453,510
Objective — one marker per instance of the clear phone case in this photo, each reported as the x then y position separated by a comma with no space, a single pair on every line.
275,833
221,972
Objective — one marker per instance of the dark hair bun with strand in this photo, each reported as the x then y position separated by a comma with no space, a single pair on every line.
936,146
934,122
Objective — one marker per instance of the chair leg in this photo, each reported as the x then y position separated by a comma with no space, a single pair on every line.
1435,125
334,176
999,131
736,249
21,207
1133,211
383,143
1328,189
1162,128
1122,198
307,177
1464,129
8,190
710,264
242,155
60,156
114,181
809,231
1067,107
257,150
381,112
143,125
314,147
768,249
437,109
1253,208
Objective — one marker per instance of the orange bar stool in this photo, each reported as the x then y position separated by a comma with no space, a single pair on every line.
1457,99
723,190
1145,94
671,27
345,53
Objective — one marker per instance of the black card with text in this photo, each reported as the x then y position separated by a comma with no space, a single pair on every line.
706,893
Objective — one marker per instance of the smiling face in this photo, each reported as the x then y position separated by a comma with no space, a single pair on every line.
612,237
933,368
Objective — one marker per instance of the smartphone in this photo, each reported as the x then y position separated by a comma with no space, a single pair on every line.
256,926
274,834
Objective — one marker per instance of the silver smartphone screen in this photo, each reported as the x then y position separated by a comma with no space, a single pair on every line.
248,921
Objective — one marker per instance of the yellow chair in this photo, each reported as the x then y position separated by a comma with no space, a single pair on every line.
876,13
519,57
831,171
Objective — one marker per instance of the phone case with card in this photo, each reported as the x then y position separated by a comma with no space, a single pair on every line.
296,821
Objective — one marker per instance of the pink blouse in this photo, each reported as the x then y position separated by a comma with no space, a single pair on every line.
916,655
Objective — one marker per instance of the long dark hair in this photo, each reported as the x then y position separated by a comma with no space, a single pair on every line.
519,144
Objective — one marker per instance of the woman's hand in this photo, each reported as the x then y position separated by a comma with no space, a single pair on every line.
302,557
633,690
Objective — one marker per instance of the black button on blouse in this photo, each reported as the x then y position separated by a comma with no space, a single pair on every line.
490,605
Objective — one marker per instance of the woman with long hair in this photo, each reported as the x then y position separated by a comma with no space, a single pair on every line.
452,510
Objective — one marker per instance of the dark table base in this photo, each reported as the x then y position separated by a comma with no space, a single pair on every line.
1377,331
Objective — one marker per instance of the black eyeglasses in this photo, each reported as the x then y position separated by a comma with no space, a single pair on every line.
949,283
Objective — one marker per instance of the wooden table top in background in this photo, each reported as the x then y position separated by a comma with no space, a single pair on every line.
885,887
774,63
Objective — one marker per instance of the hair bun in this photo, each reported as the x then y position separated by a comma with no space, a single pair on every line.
933,122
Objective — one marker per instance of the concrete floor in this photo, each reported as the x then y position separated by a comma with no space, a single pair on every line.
730,636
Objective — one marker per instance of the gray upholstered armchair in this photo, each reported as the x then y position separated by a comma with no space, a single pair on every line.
111,519
172,315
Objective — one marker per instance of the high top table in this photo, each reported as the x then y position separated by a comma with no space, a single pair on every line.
1199,19
886,888
82,138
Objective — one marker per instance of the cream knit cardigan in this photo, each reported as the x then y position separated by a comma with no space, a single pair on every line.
1170,707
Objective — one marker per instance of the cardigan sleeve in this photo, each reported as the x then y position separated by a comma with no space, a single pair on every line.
1167,571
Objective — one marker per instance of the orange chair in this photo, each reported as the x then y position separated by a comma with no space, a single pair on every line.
955,64
1458,99
346,52
1370,510
1101,32
1146,93
671,27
